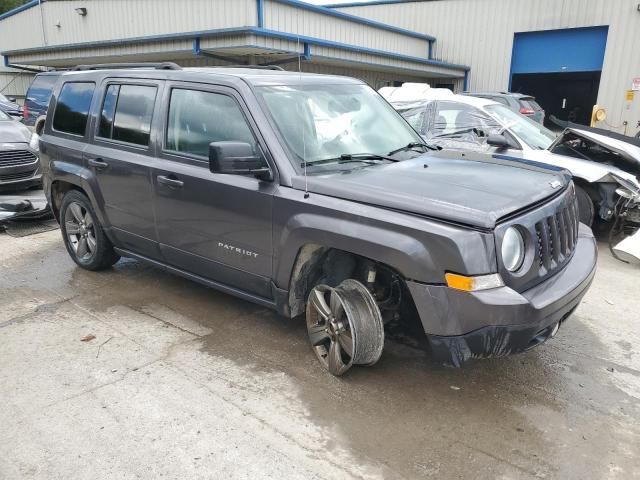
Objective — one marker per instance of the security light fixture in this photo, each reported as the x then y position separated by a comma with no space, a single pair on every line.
81,11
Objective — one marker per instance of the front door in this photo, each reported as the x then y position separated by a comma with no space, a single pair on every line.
121,158
213,225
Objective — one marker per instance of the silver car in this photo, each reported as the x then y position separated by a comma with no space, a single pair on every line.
19,162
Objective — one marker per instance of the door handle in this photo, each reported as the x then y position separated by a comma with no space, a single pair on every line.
170,182
97,163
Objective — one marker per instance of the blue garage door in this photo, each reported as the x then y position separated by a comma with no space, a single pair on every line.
561,51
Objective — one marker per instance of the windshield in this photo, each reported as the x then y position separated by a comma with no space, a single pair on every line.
533,134
321,122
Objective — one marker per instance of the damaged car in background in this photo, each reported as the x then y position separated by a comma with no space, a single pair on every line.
19,162
605,166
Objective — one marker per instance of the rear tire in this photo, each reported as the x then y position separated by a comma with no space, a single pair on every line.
585,207
83,236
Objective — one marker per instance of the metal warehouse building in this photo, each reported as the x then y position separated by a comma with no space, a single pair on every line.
570,54
290,33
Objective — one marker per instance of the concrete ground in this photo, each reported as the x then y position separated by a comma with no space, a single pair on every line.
183,382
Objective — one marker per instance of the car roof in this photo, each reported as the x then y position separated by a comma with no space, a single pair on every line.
257,77
501,94
411,96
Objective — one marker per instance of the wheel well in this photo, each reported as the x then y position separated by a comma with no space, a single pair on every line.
58,191
320,264
39,126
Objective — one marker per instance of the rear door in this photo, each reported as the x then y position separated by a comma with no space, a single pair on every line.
213,225
121,157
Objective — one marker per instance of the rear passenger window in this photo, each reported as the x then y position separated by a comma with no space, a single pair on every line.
72,107
198,118
126,113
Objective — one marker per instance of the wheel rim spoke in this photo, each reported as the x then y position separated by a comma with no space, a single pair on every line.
72,228
88,221
91,243
335,359
76,211
318,334
82,247
320,304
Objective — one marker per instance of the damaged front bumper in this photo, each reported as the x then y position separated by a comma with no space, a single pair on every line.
497,322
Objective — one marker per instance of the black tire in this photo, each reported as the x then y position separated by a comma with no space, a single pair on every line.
585,207
82,233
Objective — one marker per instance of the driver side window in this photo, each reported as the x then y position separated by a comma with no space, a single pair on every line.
198,118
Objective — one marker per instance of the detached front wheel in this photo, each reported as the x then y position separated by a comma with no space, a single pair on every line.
345,326
83,235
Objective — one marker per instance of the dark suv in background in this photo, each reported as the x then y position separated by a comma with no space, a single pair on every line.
309,194
518,102
36,102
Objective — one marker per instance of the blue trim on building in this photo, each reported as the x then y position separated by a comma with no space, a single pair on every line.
412,71
307,52
242,31
353,18
260,5
430,52
364,4
19,9
465,83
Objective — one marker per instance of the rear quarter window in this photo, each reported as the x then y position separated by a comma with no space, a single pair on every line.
40,89
72,107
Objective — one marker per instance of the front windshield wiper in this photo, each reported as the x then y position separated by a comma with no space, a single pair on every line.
350,158
411,146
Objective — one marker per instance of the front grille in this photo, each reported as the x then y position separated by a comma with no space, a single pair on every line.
15,176
557,236
14,158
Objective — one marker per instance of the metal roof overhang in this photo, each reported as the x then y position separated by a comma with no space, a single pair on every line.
232,45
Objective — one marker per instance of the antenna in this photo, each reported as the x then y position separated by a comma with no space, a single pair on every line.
304,143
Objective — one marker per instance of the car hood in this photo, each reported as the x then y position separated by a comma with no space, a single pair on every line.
466,188
12,131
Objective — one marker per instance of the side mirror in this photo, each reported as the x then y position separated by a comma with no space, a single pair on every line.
497,140
237,158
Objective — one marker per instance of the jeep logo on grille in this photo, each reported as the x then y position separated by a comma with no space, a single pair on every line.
555,183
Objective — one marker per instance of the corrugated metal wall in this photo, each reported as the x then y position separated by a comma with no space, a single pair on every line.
14,83
480,33
109,19
291,19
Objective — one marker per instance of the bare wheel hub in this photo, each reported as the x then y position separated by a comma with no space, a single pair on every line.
345,326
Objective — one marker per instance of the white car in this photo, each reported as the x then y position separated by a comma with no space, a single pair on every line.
594,157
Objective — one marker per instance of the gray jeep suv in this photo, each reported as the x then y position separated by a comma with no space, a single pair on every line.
310,195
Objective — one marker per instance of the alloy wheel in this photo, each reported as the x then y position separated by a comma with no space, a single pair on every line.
80,230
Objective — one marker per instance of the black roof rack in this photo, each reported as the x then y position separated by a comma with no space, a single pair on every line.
255,67
106,66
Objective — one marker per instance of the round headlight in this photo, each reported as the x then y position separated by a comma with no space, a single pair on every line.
512,249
